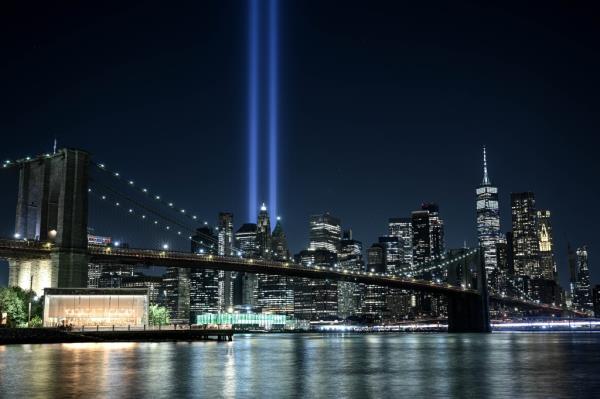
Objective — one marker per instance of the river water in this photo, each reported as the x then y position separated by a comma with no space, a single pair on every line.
507,365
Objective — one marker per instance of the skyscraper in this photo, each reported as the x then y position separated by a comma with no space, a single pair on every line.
525,235
325,233
488,221
428,234
203,283
547,264
246,284
316,299
350,258
374,302
263,233
275,293
225,248
421,237
402,229
583,291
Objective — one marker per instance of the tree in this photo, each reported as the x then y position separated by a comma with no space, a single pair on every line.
158,315
11,302
15,302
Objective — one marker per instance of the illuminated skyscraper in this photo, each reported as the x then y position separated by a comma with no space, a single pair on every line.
226,248
428,234
316,299
246,284
583,290
374,302
276,293
325,233
350,258
547,264
203,283
402,229
263,233
525,234
488,221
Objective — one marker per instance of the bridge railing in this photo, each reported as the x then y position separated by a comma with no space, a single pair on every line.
25,244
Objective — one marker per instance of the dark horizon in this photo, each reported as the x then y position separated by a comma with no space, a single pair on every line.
381,108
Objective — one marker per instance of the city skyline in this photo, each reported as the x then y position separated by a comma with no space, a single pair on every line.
322,153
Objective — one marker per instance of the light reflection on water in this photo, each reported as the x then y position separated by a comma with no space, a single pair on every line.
305,365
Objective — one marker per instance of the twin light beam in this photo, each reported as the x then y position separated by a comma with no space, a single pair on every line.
254,99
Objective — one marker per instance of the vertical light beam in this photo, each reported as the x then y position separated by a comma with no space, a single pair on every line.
253,102
273,105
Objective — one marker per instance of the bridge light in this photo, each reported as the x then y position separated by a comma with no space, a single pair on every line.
117,174
168,227
170,204
183,211
117,243
117,204
131,182
165,246
104,197
130,210
145,190
194,217
143,216
17,236
52,233
157,197
101,165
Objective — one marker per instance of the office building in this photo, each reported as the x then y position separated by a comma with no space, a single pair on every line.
525,235
488,223
325,233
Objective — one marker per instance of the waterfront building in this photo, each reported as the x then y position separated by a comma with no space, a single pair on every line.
325,233
91,307
488,223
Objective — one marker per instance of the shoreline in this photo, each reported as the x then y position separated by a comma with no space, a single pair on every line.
19,336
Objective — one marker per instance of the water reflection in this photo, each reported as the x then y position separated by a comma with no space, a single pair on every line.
360,366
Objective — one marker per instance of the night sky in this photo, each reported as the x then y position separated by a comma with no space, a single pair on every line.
382,106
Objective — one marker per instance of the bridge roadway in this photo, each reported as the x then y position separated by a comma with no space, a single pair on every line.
24,249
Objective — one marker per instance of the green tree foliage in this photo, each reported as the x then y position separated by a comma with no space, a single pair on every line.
158,315
11,302
15,302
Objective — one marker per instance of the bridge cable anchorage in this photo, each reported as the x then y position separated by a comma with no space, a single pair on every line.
158,215
146,191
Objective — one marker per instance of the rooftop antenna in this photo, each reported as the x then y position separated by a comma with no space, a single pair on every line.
54,148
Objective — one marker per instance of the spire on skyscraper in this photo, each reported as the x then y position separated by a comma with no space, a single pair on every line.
486,179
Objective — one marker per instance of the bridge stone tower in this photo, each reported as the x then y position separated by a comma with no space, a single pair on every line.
468,312
52,206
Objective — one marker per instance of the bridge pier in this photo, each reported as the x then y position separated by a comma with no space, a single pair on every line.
468,313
